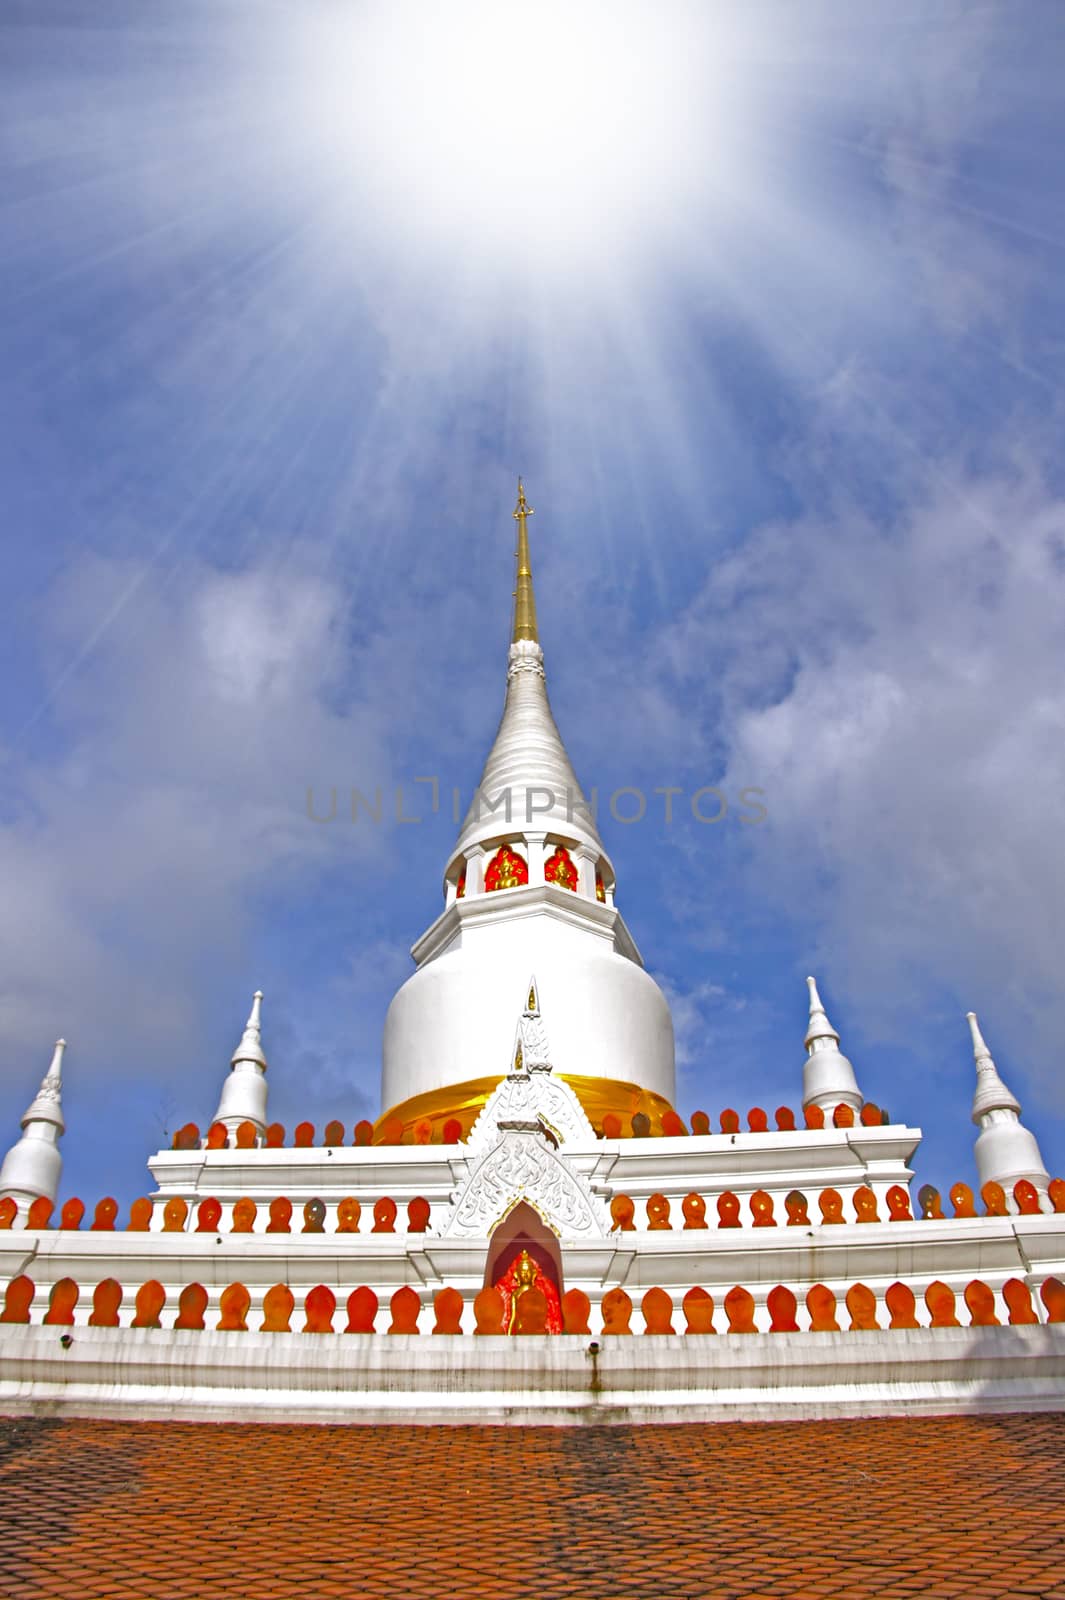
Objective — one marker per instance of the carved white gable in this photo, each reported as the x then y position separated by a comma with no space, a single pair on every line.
530,1096
523,1165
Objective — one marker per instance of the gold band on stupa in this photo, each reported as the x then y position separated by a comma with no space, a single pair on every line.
463,1102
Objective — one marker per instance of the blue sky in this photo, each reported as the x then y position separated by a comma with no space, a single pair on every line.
765,302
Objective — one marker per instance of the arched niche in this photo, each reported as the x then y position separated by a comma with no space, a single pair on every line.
523,1229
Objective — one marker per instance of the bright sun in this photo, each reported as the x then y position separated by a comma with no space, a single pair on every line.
521,133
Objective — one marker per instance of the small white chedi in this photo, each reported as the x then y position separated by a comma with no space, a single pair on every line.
528,1138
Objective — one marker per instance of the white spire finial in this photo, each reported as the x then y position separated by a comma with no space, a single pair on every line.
828,1077
244,1091
820,1027
32,1166
991,1093
1005,1149
250,1047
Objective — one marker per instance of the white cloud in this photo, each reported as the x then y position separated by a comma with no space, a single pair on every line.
914,752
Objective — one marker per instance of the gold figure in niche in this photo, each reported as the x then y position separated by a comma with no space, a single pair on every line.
524,1278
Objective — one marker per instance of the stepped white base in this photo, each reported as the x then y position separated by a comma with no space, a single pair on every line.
159,1374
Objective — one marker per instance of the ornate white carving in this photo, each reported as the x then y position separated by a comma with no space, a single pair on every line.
523,1166
525,656
530,1097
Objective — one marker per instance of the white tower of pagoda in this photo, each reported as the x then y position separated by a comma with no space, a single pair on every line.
32,1166
1005,1149
528,888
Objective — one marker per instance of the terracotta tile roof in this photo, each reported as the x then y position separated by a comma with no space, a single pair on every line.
973,1507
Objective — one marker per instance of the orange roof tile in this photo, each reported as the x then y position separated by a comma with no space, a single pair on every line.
968,1506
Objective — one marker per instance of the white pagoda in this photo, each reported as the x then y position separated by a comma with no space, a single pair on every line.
529,1175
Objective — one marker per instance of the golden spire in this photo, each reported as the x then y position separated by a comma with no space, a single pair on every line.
524,602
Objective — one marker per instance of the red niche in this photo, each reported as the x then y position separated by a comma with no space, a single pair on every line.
280,1216
140,1216
489,1311
506,870
730,1122
208,1216
447,1310
559,868
700,1123
384,1216
739,1308
785,1119
405,1307
460,887
18,1297
218,1136
843,1116
981,1303
333,1135
278,1304
319,1305
275,1136
187,1138
672,1125
831,1204
304,1135
600,889
40,1213
617,1310
61,1302
151,1298
861,1303
362,1310
1052,1295
349,1212
939,1298
243,1218
902,1306
8,1212
657,1308
192,1303
1018,1298
813,1116
103,1218
782,1306
233,1304
106,1299
72,1213
452,1131
622,1214
821,1304
418,1213
247,1136
576,1308
757,1121
364,1132
928,1198
175,1215
698,1308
